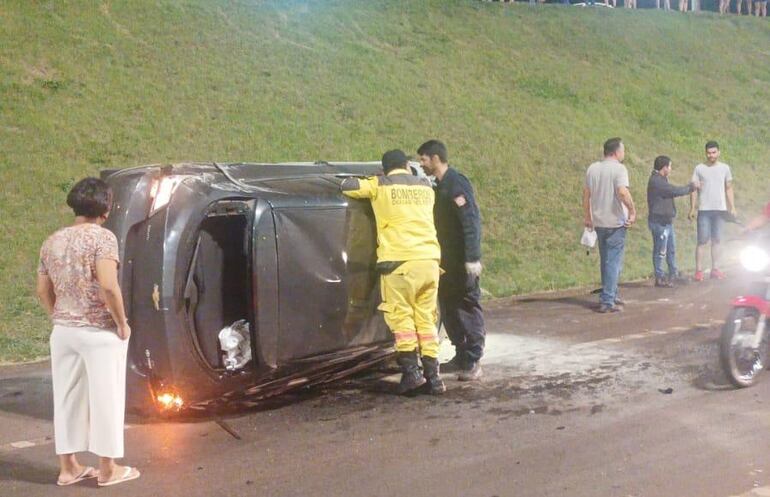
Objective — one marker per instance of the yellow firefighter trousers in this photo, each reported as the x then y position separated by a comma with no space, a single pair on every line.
409,296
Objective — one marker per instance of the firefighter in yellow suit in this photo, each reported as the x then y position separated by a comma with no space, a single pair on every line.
408,256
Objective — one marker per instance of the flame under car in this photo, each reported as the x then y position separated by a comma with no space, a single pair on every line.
243,281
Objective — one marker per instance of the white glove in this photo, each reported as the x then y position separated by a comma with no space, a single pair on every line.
473,268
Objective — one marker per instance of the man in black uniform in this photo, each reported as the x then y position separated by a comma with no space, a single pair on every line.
458,225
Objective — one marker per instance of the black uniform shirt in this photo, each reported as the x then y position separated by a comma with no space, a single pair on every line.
458,223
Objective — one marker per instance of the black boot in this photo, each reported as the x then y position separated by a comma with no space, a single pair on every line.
411,378
431,372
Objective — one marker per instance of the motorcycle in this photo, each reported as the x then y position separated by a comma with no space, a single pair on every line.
743,345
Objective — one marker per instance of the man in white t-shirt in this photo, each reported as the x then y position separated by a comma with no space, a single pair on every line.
714,200
608,208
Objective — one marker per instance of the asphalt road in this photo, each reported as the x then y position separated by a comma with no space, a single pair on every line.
571,404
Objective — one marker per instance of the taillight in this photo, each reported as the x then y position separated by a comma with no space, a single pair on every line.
169,400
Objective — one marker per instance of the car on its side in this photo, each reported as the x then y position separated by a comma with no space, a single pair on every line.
244,280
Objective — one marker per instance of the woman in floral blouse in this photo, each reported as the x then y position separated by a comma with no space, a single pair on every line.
77,284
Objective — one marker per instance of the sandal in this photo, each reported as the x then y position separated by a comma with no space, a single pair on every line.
87,473
128,474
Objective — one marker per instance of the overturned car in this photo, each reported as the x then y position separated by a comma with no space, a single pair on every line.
242,281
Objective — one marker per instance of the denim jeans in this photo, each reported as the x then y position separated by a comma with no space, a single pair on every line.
663,247
612,243
710,224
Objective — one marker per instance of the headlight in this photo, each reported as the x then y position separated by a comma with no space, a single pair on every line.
754,259
161,191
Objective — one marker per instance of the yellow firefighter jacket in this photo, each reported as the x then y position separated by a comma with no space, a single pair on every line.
403,206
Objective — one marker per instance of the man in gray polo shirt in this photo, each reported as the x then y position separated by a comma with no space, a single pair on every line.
609,209
714,200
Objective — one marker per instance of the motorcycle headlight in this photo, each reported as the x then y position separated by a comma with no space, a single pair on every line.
754,259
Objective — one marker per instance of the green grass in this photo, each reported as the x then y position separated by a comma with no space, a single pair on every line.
523,97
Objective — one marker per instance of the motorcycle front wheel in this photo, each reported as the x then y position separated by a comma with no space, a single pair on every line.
741,362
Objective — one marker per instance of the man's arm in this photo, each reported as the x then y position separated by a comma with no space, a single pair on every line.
693,204
45,293
587,219
625,198
468,214
730,198
359,188
694,195
667,190
758,221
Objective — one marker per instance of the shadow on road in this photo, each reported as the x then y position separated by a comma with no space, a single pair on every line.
575,301
27,396
18,470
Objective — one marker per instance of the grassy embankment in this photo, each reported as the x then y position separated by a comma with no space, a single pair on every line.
523,96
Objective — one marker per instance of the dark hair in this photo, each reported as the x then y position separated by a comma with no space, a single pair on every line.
661,161
434,147
611,146
90,197
712,144
394,159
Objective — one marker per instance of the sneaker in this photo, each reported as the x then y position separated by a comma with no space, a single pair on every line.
663,282
716,274
698,276
619,301
471,374
607,308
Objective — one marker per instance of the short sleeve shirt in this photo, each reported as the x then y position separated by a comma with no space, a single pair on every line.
68,258
712,179
603,180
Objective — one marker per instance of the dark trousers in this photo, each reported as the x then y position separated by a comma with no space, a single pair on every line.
461,313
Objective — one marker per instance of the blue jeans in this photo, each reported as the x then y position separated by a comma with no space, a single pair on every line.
612,243
710,224
663,247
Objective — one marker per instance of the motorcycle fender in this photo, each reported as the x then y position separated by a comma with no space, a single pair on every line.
754,302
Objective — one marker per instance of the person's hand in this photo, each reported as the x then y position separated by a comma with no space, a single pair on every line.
588,223
124,331
473,268
734,212
630,220
691,215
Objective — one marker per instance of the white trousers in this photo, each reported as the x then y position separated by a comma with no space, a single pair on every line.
88,367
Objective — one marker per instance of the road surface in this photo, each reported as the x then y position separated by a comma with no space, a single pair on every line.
573,403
